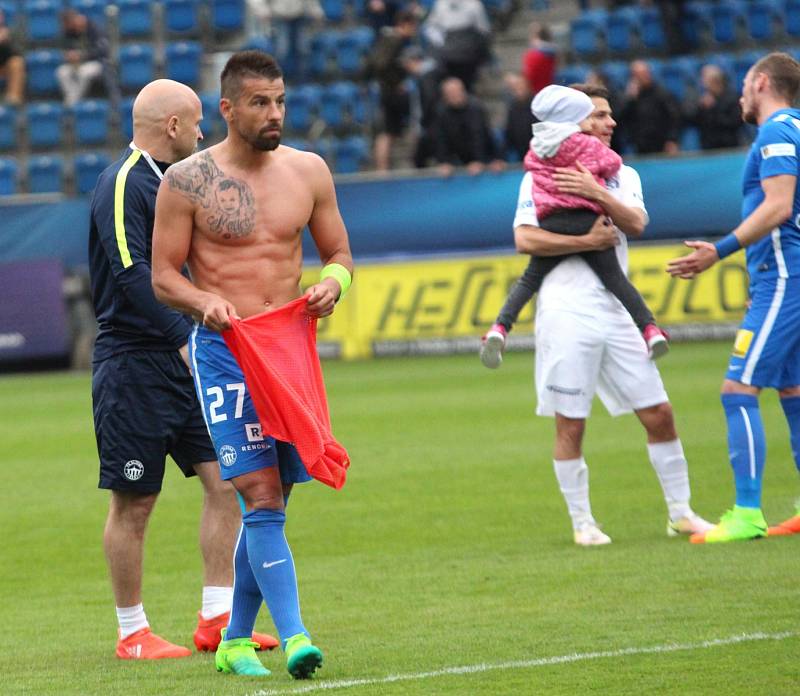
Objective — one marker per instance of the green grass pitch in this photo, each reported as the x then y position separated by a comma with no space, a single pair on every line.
449,547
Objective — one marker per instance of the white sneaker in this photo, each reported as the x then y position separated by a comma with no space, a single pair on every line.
492,346
589,534
690,523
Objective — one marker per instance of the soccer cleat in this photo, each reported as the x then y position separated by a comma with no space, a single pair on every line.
657,341
238,656
589,534
690,523
492,345
739,524
302,658
146,645
208,634
787,527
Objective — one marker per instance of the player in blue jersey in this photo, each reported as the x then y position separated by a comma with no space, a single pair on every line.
143,396
766,352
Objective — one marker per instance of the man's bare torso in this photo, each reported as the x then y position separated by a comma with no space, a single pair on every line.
248,225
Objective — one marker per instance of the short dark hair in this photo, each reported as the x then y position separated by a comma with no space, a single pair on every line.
244,64
783,72
592,90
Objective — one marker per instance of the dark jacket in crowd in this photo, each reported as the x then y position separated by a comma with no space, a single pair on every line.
519,120
463,135
92,43
651,119
720,125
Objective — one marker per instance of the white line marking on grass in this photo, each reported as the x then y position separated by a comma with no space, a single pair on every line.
524,664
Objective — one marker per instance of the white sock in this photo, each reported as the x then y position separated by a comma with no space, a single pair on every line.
673,473
216,601
573,480
131,619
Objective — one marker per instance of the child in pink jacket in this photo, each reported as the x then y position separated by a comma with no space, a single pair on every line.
558,142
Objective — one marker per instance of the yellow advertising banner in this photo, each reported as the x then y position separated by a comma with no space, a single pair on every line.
400,307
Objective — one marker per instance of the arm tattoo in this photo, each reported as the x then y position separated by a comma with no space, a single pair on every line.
228,203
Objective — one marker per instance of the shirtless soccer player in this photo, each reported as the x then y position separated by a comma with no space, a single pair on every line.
235,214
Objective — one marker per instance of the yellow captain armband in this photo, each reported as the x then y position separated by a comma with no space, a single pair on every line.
340,274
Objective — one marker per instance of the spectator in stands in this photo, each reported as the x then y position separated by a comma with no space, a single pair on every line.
462,133
519,119
426,73
598,78
459,34
386,65
539,61
650,117
85,54
382,13
12,65
289,20
716,112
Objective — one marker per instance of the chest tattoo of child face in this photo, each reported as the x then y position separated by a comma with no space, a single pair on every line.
227,203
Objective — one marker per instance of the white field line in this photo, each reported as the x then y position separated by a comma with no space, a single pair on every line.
526,664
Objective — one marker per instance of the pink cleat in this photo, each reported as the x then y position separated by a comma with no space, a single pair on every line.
657,341
492,345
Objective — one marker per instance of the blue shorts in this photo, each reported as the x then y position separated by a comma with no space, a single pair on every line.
231,417
144,408
766,352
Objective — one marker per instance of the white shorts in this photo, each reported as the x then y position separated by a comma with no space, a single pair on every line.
578,355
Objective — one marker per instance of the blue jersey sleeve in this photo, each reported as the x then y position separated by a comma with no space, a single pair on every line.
778,146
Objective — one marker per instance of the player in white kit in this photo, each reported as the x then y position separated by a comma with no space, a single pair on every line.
587,343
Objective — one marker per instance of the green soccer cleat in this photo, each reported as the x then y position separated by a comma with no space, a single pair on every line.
739,524
238,656
302,658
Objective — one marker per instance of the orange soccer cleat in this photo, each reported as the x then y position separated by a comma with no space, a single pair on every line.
208,634
146,645
787,527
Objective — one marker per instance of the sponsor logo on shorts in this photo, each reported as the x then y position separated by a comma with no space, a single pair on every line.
564,390
227,455
742,343
133,470
252,448
253,432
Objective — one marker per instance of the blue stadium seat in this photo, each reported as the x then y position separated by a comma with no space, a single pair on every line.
792,17
181,16
8,127
324,147
763,16
741,64
45,121
135,18
616,72
652,30
337,102
622,28
41,71
586,32
93,9
690,139
43,20
334,10
302,105
572,73
183,62
297,144
678,75
259,43
91,122
136,66
8,176
727,19
350,154
212,123
125,113
352,47
45,174
10,12
87,168
697,22
323,51
227,15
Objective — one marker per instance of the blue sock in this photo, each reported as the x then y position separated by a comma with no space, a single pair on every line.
246,593
747,447
791,408
273,568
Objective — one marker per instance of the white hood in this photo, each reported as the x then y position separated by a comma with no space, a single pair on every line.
548,136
